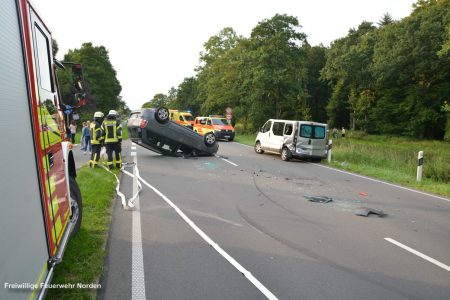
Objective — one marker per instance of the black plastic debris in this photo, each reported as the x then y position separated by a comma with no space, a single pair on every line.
366,211
318,199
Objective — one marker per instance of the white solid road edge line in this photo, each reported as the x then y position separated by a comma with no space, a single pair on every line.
228,161
380,181
222,252
426,257
137,264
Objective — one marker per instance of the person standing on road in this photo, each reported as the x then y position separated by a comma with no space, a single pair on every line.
111,127
343,132
97,137
83,148
73,131
86,137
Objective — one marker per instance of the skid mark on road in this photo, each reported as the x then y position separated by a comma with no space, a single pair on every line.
280,205
206,215
304,251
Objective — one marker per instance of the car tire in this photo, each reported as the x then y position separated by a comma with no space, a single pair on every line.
286,154
230,139
162,115
210,139
258,148
76,205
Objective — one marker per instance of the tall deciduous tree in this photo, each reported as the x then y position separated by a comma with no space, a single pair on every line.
100,76
158,100
412,79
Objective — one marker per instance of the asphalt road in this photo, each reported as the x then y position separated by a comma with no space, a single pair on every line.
238,227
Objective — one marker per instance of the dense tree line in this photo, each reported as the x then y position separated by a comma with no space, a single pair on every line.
392,77
100,77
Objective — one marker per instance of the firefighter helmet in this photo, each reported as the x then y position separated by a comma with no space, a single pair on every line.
98,114
112,112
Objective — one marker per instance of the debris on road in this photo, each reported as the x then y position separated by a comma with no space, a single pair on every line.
363,194
366,211
318,199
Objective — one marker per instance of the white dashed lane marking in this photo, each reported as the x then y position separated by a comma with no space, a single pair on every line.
419,254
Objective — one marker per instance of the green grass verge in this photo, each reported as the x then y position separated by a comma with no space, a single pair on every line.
246,139
84,257
392,159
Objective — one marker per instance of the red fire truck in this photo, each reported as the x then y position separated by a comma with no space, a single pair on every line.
41,201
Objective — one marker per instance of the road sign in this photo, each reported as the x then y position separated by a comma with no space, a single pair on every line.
229,110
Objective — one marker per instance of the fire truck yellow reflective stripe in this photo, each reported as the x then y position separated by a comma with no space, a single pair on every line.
43,141
55,205
38,283
66,215
53,138
58,226
53,237
63,229
46,163
50,186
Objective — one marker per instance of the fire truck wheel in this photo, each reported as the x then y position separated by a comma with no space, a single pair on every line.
76,203
210,139
162,115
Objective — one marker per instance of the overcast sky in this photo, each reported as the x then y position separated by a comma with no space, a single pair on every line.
154,45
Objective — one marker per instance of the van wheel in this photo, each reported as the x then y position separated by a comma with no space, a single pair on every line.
76,205
162,115
286,154
210,139
258,148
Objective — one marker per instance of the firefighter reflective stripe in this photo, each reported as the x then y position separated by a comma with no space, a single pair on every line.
96,133
110,128
119,131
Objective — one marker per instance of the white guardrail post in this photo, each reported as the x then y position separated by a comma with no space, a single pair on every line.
419,166
330,144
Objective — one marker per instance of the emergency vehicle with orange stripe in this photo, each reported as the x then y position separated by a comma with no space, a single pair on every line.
215,124
184,118
42,205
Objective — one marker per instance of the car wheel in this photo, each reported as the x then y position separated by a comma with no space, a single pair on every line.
286,154
230,139
162,115
258,148
210,139
76,205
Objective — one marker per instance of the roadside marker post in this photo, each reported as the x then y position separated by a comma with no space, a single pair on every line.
419,166
330,144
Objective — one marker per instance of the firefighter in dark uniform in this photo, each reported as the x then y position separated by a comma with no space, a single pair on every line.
113,132
97,137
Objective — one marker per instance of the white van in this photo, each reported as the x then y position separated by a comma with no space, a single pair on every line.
293,139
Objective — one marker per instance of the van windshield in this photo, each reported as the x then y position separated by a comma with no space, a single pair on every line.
188,118
220,121
312,131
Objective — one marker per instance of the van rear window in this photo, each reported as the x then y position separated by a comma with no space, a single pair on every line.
312,131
